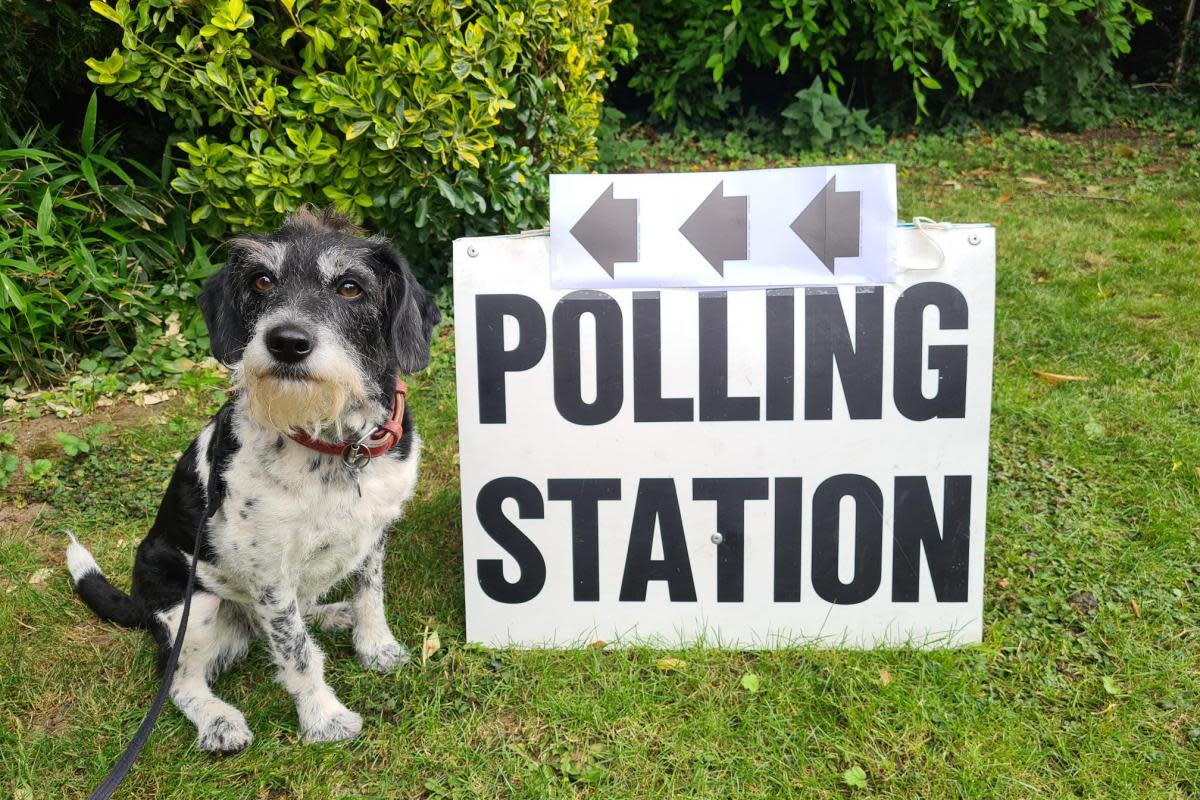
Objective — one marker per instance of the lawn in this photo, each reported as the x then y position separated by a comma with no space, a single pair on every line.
1087,683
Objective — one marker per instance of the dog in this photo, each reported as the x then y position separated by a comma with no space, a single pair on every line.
296,480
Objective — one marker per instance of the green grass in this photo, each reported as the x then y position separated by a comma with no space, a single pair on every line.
1087,683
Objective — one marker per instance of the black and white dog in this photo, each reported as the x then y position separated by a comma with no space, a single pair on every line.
301,474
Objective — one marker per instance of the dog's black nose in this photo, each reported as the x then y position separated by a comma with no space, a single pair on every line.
289,343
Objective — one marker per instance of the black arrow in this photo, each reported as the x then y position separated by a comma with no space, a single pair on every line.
718,228
608,231
829,224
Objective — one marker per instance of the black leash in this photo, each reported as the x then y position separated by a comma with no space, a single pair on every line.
119,770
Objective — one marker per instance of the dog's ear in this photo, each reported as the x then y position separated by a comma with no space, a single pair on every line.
412,312
227,333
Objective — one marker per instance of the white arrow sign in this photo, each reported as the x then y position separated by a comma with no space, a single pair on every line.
772,227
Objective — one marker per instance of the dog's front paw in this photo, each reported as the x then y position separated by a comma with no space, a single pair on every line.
227,733
385,656
341,724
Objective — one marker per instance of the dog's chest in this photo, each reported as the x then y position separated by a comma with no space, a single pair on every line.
296,518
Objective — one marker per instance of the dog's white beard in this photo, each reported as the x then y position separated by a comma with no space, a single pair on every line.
311,405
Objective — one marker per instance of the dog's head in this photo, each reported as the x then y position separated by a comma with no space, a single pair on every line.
317,322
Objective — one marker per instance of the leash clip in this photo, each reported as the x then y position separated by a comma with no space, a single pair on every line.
356,455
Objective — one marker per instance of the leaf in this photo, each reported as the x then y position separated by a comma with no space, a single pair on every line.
354,130
106,11
430,644
448,192
88,137
855,777
599,644
751,682
1033,180
1110,685
1004,198
72,445
89,174
885,677
1054,378
669,664
134,210
45,215
113,168
39,576
14,294
36,470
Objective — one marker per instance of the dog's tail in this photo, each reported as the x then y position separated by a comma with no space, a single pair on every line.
109,602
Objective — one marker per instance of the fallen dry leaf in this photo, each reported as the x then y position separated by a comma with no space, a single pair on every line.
154,398
670,664
1054,378
1002,583
430,644
599,644
885,677
1033,180
1137,610
1004,198
39,576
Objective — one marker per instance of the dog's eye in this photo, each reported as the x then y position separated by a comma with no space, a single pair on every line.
264,283
349,289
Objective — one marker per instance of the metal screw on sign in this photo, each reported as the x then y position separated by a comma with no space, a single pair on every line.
472,250
717,538
974,238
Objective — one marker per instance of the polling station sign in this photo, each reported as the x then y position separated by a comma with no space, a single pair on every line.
767,227
749,467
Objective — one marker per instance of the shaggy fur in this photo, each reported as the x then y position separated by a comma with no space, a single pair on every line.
316,324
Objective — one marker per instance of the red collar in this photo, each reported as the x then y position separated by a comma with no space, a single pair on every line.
357,452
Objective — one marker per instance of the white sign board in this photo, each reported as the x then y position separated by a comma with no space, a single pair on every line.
769,227
754,468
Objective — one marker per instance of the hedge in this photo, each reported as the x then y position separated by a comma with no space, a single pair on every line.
1048,59
427,119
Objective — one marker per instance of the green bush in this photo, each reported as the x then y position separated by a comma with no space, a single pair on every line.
90,263
429,119
823,120
1047,58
